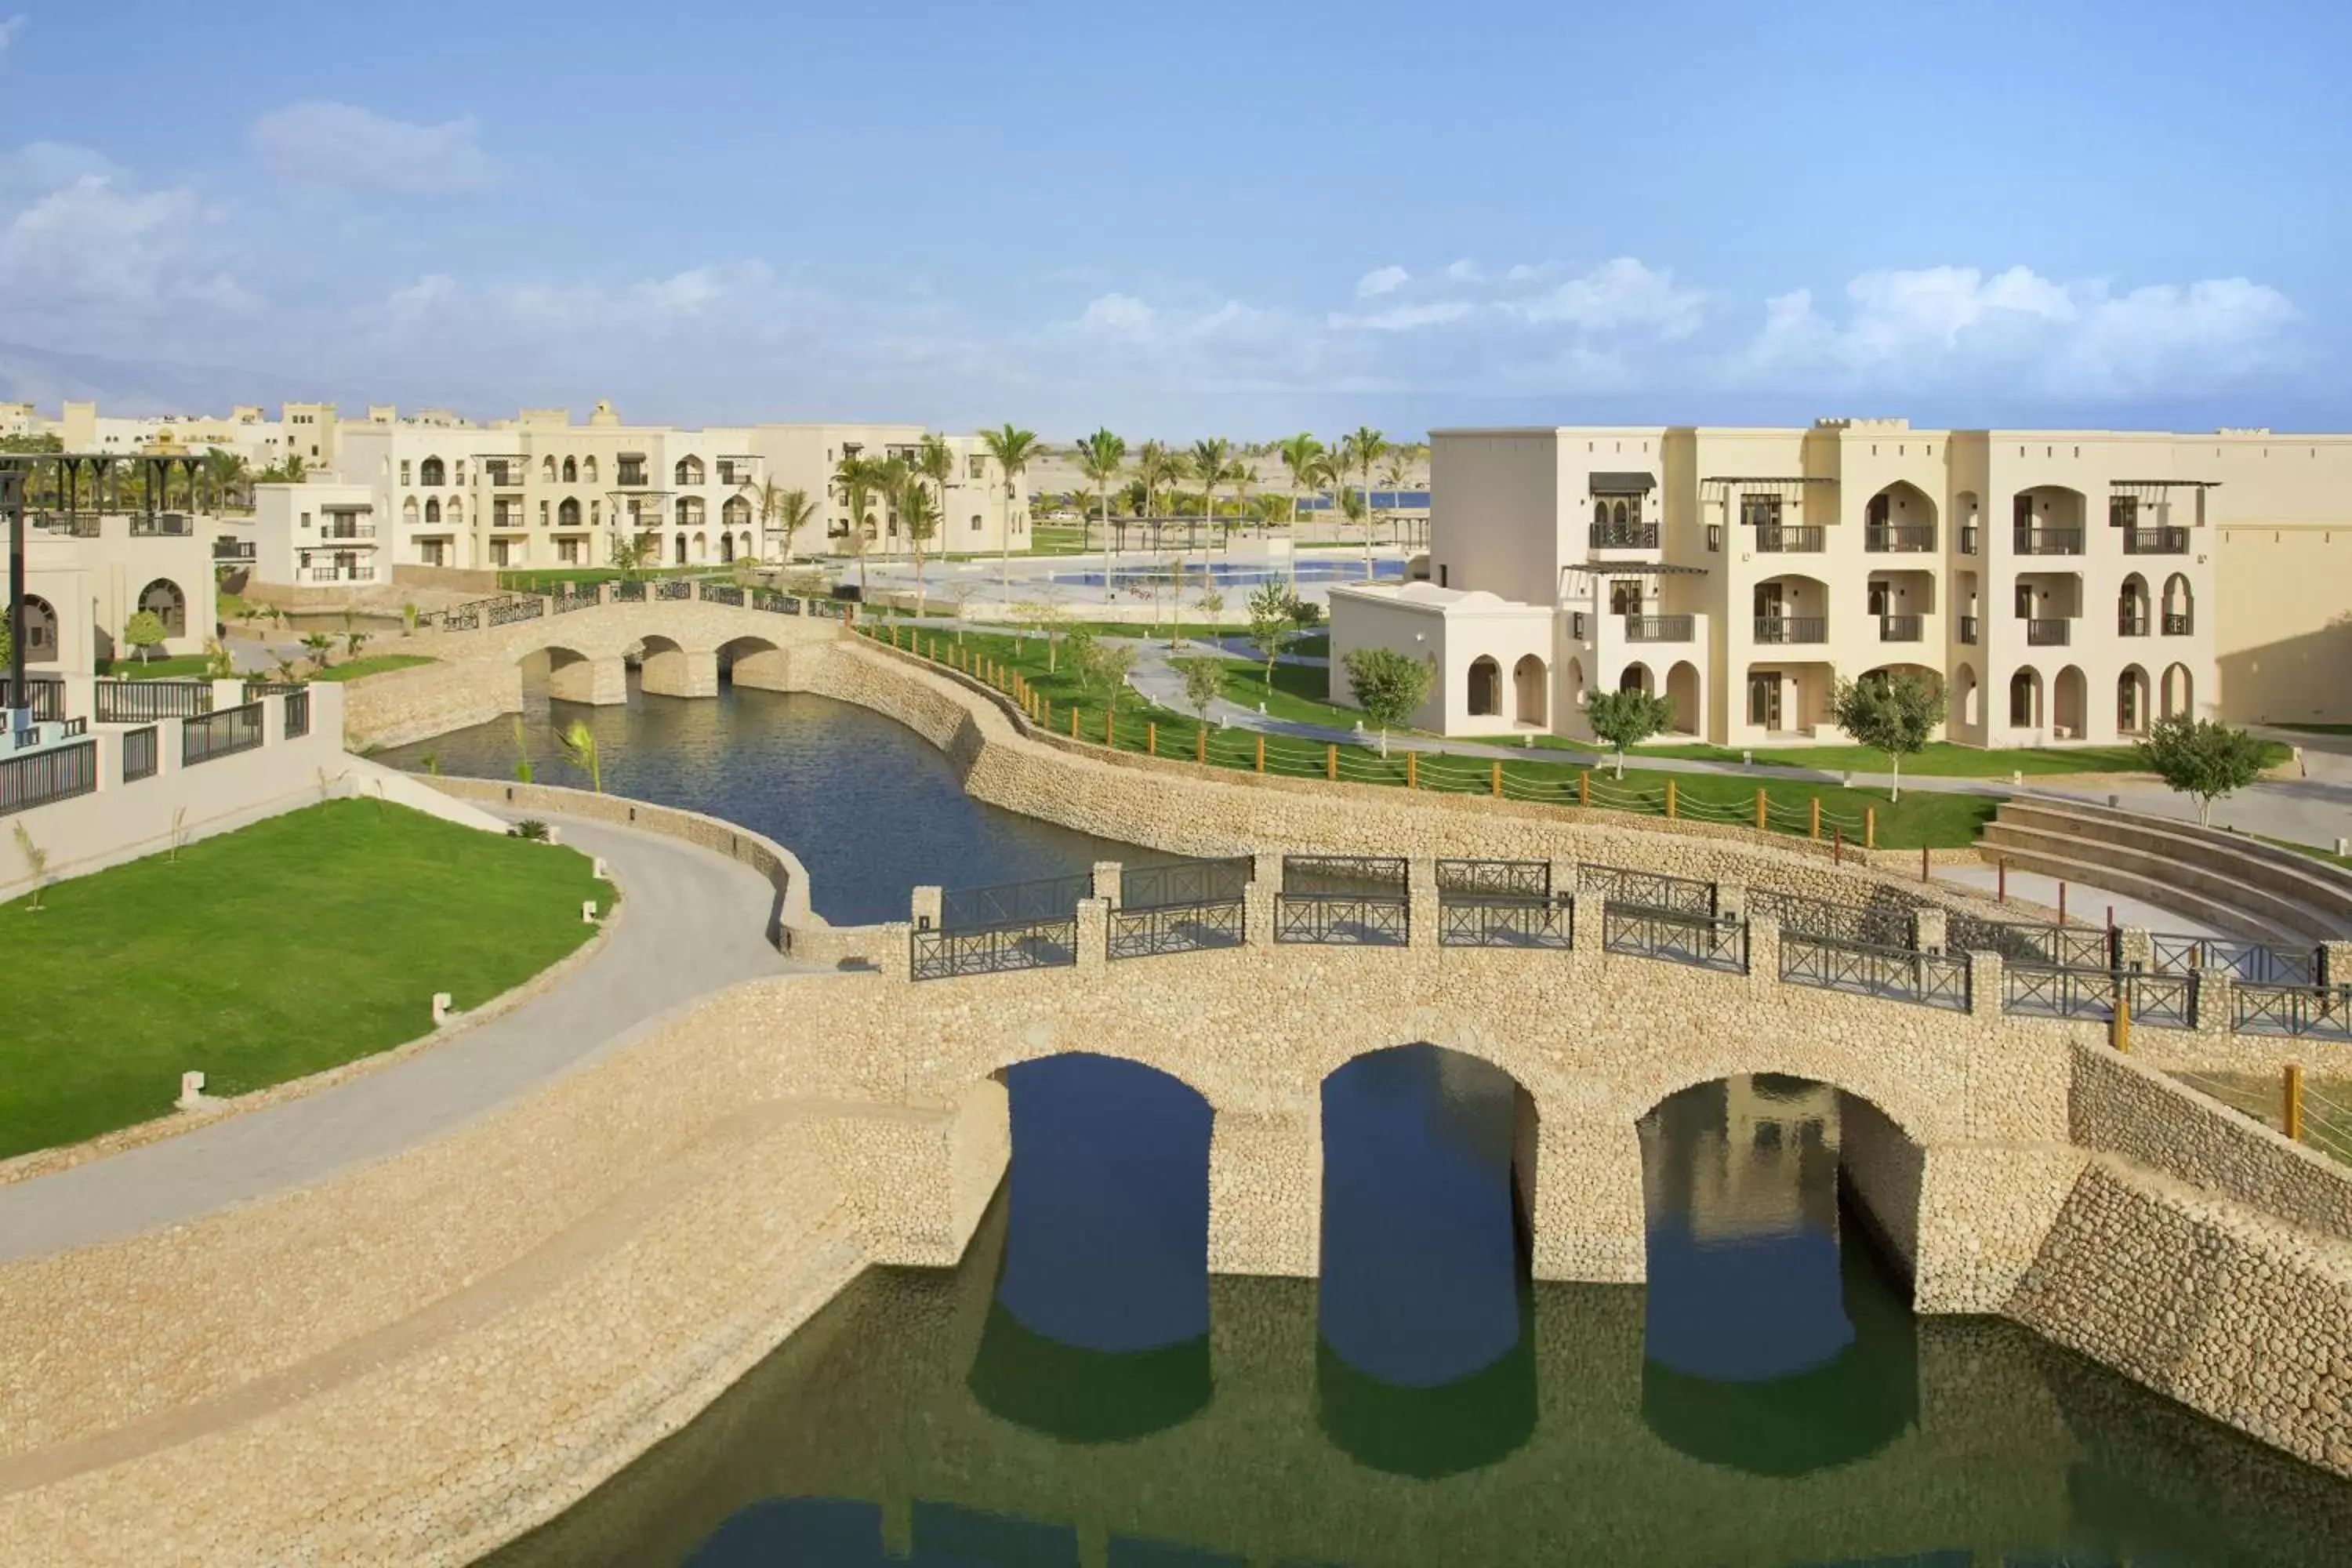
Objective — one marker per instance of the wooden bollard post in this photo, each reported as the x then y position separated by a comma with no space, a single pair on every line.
1200,745
1670,797
1760,809
1110,735
1331,762
1837,845
2061,903
1870,828
1923,862
1151,738
1261,750
1495,779
2291,1103
1817,816
2119,1030
1074,721
1412,770
1584,786
2000,882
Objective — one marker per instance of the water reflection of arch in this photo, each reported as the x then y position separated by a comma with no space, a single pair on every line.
1423,1359
1775,1338
1097,1327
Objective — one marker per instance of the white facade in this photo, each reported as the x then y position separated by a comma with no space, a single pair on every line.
318,533
83,584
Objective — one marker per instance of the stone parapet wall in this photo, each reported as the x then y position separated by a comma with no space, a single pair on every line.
428,700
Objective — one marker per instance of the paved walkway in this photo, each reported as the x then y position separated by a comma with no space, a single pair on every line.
2084,902
695,921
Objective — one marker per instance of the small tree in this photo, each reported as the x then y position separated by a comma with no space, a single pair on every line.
961,592
631,555
1305,614
143,631
218,665
1269,621
1388,686
352,643
321,647
1626,718
36,860
2201,757
1080,647
1204,681
1112,661
580,750
522,768
1895,714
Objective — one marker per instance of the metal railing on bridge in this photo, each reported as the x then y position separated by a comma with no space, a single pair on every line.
1012,925
2322,1012
138,753
1501,903
1647,890
1867,969
44,694
2163,1001
1181,906
1702,941
1868,925
2241,961
1354,900
2026,941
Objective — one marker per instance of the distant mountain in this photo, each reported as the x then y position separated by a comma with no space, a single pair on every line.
132,387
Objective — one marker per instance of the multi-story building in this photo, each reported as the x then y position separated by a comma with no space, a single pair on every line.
86,574
2064,584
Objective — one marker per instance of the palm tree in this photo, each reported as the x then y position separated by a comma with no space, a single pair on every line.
1302,454
1099,458
920,515
858,478
229,473
1213,464
1156,466
1361,450
767,500
796,510
1243,473
1014,450
1393,474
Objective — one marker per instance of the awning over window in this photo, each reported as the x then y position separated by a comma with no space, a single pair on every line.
1620,484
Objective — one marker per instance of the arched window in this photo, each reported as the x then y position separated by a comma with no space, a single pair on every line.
679,542
975,523
588,470
2131,701
689,511
1600,514
2025,700
736,512
727,549
40,629
1486,686
2131,607
568,514
542,512
688,470
1618,516
408,511
2179,611
571,471
547,469
455,511
164,598
2179,694
432,509
432,474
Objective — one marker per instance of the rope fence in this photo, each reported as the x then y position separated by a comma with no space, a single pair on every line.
2315,1112
1137,726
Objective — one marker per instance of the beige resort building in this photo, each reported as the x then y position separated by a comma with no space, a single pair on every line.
2068,585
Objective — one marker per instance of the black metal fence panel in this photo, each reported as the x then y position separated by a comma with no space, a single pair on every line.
1870,925
44,695
1498,921
2323,1012
1647,890
2248,960
776,603
629,593
298,714
1048,899
723,594
1341,919
2023,942
219,734
1345,876
140,752
1701,940
1177,928
995,950
564,604
674,588
1178,882
506,612
145,702
55,773
1494,879
1863,969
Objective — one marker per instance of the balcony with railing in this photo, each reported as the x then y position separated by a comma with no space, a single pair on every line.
2156,541
1624,535
2047,541
1660,628
1968,630
2131,623
1899,539
1901,629
1775,539
1779,630
1968,540
161,525
2047,631
2178,624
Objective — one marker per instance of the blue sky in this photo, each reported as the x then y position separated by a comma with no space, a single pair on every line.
1229,217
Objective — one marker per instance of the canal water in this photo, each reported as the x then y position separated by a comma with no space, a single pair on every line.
1080,1391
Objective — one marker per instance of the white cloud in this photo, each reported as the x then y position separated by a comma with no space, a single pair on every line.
343,147
1618,295
1404,318
1117,313
1464,271
1381,281
9,29
93,257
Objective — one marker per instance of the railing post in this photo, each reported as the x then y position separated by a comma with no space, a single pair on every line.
1816,828
1412,770
1261,750
1763,952
1331,764
1110,733
2119,1024
1670,797
1106,883
923,908
1590,934
1151,738
1731,899
1094,933
1420,901
2135,948
1074,721
1985,990
1257,899
1761,824
2215,1002
1870,828
895,959
1200,745
1495,780
1929,929
1584,786
2291,1103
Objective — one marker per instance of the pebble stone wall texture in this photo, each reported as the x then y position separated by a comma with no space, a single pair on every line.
424,1357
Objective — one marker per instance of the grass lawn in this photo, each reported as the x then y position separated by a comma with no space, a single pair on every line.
1921,818
179,667
2317,728
372,664
1314,645
2317,853
1942,759
281,949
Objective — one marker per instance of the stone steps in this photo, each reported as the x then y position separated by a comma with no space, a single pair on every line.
2029,852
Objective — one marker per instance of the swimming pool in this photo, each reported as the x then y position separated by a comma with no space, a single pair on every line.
1237,573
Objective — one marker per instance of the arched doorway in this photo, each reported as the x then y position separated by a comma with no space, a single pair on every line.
2131,701
1967,700
2180,607
2069,704
2178,697
2025,699
40,629
1682,690
1899,520
1531,688
1485,688
162,599
2131,607
1636,677
726,549
567,513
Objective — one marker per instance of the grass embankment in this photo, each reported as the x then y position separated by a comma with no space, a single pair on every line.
281,949
370,664
1921,818
179,667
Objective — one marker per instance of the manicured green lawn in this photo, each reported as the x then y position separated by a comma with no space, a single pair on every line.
284,948
2329,856
179,667
1314,645
1921,818
372,664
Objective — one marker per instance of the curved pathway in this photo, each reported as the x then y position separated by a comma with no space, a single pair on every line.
694,921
